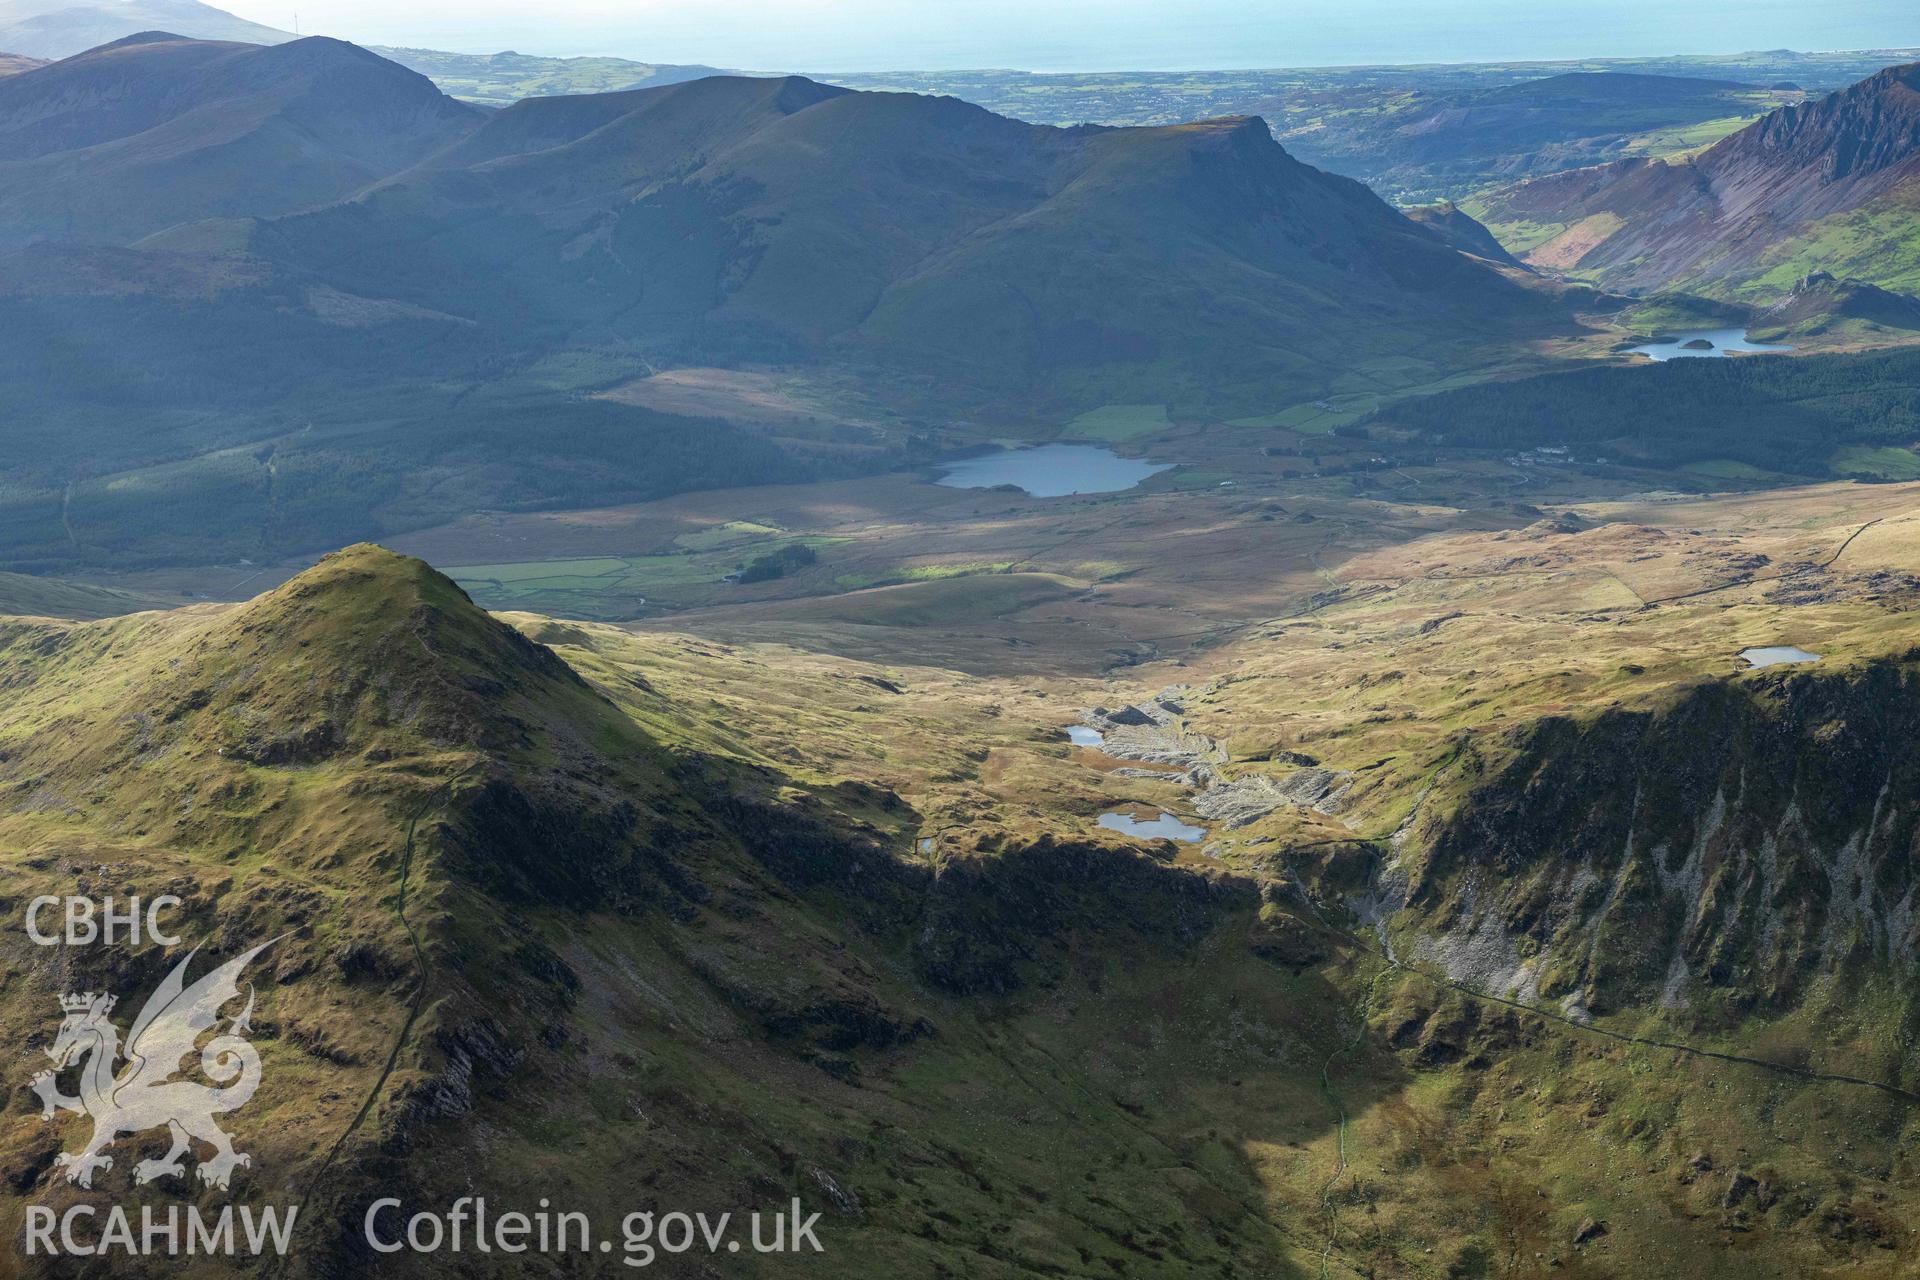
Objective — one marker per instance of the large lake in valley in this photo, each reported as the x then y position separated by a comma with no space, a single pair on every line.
1051,470
1705,342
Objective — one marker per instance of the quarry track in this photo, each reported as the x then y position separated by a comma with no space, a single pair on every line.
1751,578
1329,1212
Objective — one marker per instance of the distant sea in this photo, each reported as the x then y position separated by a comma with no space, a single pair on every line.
1105,35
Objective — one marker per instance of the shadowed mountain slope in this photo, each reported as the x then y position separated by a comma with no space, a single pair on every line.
1822,303
1461,231
732,219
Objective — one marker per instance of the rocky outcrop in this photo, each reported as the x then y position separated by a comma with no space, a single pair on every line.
1446,222
1252,797
1821,300
1155,732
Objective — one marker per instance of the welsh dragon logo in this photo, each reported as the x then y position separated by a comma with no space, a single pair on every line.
143,1094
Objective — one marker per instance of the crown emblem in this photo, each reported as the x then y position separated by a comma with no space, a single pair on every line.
85,1001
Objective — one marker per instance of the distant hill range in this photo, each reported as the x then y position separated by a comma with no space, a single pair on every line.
39,30
501,79
13,64
784,219
1827,185
308,254
49,29
1424,142
1415,134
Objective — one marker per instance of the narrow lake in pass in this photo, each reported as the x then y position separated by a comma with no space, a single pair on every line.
1719,342
1163,827
1051,470
1773,655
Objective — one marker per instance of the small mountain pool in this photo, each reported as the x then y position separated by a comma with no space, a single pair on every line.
1773,655
1163,827
1705,342
1051,470
1081,736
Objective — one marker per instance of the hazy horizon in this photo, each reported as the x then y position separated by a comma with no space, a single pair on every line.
1081,35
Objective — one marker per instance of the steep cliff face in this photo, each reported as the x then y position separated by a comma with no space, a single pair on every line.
1754,200
1814,158
1739,844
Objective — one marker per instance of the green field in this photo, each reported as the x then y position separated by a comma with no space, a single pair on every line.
624,586
940,602
1888,463
732,533
1116,422
1691,137
1517,236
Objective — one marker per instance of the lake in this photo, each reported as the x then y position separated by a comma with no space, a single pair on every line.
1772,655
1081,735
1163,827
1051,470
1723,340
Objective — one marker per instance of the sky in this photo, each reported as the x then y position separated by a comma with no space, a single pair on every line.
1095,35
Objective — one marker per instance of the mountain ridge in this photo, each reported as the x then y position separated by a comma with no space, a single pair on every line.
901,191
